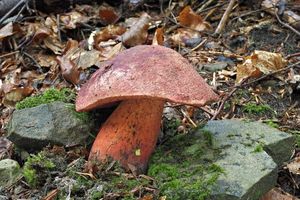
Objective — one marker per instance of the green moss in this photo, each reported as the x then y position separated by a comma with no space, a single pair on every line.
65,95
271,123
96,195
118,182
208,137
83,116
170,127
252,108
184,166
34,166
258,148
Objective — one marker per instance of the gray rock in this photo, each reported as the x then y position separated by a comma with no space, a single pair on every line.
9,172
213,67
250,156
55,123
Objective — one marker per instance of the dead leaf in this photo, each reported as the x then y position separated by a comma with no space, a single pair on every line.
260,62
69,69
278,194
53,44
6,30
138,33
158,37
109,32
183,36
6,148
147,197
110,52
108,14
294,166
72,19
189,18
16,95
51,195
45,60
289,16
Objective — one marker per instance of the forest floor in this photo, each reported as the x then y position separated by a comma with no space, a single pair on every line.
252,62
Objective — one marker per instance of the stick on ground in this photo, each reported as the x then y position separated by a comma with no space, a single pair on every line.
225,17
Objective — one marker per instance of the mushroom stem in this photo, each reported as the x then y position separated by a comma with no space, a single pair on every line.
130,134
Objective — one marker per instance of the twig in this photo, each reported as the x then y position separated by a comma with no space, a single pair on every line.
269,74
58,27
249,13
33,60
196,47
11,11
243,84
292,55
286,25
220,108
188,118
212,7
204,6
231,55
225,17
9,54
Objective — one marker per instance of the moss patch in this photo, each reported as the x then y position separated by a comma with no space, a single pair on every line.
35,167
252,108
83,116
183,167
65,95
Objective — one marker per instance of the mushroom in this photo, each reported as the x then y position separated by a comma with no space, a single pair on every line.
142,79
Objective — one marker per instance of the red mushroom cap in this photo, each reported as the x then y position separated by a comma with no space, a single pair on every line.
145,72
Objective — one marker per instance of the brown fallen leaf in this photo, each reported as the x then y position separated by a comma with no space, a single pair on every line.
183,36
16,95
158,38
108,53
108,14
37,31
51,195
189,18
260,62
289,16
138,33
278,194
109,32
72,19
294,166
6,148
69,69
6,30
53,44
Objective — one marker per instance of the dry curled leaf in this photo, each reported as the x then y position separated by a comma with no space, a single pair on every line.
6,30
271,6
15,95
183,36
189,18
69,69
294,166
158,38
72,19
108,14
260,62
6,148
138,33
109,32
278,194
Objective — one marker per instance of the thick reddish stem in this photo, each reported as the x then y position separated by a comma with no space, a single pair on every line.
130,134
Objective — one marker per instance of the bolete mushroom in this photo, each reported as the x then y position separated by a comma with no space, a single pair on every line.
142,79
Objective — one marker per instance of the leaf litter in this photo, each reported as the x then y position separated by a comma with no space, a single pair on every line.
62,49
